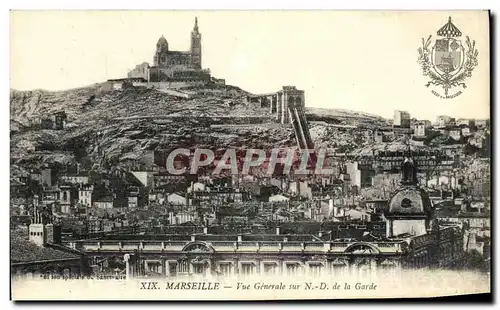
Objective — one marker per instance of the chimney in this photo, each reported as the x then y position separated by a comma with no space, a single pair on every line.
320,234
193,238
277,230
205,230
239,238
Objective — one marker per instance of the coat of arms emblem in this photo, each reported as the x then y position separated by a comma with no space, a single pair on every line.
447,62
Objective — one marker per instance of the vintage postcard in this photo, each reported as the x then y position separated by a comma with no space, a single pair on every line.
249,155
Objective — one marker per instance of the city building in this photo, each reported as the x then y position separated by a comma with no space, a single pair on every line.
106,202
413,239
76,178
420,131
85,195
401,119
444,121
463,122
482,123
359,174
455,134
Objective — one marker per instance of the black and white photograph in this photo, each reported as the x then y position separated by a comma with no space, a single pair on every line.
249,155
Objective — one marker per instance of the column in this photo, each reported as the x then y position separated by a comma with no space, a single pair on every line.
373,269
279,106
274,102
209,271
236,270
127,270
162,266
167,267
283,109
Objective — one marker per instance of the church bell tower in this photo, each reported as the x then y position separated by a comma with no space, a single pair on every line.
196,46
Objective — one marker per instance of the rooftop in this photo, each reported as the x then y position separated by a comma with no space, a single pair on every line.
23,251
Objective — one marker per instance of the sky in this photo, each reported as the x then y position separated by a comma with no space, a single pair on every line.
356,60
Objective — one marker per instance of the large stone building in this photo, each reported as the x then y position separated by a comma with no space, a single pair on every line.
169,65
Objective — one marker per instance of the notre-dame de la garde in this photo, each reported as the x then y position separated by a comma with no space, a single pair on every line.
171,65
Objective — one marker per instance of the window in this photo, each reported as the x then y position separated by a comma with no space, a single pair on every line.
225,268
315,269
292,269
270,268
183,266
199,268
406,203
172,269
247,268
154,267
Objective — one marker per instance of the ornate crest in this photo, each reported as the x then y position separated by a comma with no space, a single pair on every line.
447,62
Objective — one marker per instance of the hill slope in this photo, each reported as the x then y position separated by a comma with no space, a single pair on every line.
117,127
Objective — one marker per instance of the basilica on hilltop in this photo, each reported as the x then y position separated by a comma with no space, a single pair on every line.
171,66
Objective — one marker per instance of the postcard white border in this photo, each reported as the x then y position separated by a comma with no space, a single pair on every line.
199,4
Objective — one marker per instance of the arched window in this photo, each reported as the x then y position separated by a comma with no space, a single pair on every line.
298,100
406,203
290,100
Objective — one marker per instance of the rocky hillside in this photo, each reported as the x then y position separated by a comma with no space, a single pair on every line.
116,127
345,117
120,125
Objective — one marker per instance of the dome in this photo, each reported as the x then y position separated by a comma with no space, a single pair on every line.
410,201
162,41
